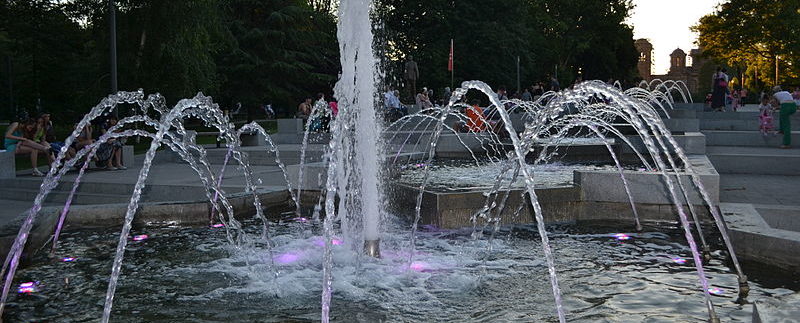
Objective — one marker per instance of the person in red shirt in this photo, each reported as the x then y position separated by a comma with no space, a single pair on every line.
477,122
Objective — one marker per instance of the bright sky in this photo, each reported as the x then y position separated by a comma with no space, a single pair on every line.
666,23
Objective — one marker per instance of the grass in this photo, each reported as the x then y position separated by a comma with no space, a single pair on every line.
23,162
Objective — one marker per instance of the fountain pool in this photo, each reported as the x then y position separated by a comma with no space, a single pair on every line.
193,274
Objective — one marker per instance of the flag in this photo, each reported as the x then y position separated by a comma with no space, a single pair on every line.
450,61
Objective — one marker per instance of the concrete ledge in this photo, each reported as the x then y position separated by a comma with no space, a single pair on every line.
8,165
646,187
682,125
755,240
752,138
459,145
689,106
128,159
777,309
174,212
692,143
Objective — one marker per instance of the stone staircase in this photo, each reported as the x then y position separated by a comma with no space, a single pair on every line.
736,146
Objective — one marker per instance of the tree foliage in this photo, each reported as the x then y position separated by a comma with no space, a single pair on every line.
281,51
750,34
548,36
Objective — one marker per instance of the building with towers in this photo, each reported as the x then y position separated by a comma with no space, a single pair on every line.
680,69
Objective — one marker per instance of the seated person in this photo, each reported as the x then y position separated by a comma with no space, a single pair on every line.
19,139
109,154
50,136
477,121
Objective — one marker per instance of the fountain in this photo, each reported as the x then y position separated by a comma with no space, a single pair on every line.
425,261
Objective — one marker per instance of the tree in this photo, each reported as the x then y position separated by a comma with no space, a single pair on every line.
567,35
759,35
283,51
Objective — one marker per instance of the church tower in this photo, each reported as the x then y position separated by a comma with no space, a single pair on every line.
645,65
677,62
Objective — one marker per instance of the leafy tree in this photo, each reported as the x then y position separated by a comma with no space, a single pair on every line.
753,34
547,35
283,51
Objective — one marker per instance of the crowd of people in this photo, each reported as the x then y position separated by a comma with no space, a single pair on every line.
36,137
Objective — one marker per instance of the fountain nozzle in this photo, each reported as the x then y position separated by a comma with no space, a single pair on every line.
707,254
372,248
744,288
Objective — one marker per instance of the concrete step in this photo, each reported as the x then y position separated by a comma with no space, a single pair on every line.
745,138
22,194
730,124
754,160
736,116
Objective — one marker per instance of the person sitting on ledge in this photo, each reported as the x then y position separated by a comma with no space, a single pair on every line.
19,140
111,158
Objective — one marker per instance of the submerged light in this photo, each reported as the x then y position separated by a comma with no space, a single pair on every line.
218,225
27,288
287,258
679,260
715,291
140,237
68,259
621,236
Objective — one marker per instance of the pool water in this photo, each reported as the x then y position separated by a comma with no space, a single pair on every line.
180,274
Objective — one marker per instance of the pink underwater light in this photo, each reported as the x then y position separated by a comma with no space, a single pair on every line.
140,237
218,225
621,236
679,260
67,259
27,288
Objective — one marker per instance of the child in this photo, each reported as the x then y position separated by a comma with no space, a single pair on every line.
766,121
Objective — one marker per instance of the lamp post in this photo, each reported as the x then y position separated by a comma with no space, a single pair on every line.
112,12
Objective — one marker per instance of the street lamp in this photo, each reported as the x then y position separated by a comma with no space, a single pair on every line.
112,12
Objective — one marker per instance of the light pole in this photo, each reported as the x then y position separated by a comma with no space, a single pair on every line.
112,12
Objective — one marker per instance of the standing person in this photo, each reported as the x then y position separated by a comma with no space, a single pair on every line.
787,108
719,84
446,95
526,95
19,140
555,86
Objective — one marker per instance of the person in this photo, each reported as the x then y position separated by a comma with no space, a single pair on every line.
526,95
501,94
423,102
446,95
743,97
538,90
50,137
719,84
111,159
476,122
390,101
787,108
304,109
19,140
320,120
554,84
765,118
334,106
